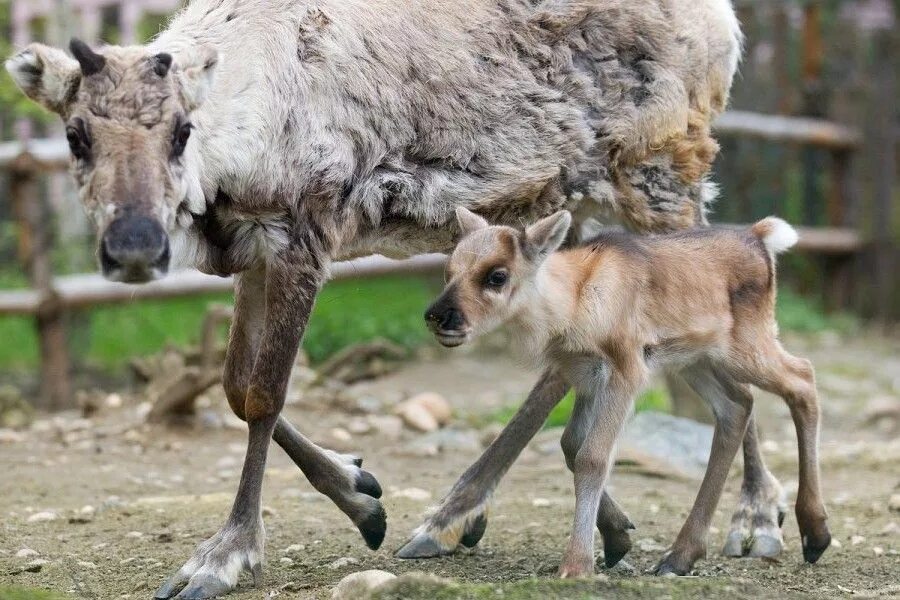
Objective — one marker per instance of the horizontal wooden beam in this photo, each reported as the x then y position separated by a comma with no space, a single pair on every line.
82,291
791,130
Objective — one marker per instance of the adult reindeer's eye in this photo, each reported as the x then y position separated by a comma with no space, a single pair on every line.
497,278
180,139
79,144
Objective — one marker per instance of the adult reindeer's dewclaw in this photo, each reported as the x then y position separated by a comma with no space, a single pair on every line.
603,316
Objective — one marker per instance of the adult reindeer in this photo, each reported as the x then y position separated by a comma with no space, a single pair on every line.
266,138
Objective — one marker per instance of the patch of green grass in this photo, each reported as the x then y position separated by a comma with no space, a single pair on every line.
805,315
20,593
346,312
654,399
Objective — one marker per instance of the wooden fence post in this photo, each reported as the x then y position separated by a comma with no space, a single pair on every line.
884,270
34,250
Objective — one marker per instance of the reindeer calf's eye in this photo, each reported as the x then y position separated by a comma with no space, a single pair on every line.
497,278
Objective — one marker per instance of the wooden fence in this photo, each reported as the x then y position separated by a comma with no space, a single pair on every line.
49,297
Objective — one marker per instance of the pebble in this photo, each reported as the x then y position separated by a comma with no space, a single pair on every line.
342,562
413,493
134,534
87,564
894,502
878,551
890,529
26,553
540,502
388,426
286,561
435,404
113,401
835,543
417,417
294,548
268,511
856,540
11,436
341,434
358,585
43,516
359,426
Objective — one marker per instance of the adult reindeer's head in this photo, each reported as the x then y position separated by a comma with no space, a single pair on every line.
127,115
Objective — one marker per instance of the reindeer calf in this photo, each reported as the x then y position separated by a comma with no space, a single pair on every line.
607,313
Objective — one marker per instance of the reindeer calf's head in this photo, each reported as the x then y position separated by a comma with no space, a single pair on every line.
490,274
127,115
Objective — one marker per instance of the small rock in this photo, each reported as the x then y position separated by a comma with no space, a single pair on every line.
36,565
435,404
387,426
540,502
43,516
413,493
26,553
11,436
878,551
134,534
113,401
856,540
342,562
86,564
341,434
87,510
835,543
417,417
294,548
890,529
286,561
360,584
268,511
359,426
894,502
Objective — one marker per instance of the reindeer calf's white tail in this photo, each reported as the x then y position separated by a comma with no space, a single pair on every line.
776,234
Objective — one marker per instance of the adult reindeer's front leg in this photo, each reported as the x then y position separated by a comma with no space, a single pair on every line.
292,280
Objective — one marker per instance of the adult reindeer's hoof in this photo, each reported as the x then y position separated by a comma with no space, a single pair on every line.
616,544
356,493
672,566
816,539
756,524
216,565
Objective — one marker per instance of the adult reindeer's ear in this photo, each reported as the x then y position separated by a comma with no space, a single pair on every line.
548,234
195,70
48,76
469,221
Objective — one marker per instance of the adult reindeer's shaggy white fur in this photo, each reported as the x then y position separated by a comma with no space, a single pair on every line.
378,118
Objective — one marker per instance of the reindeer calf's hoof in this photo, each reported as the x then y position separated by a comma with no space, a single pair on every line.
422,546
615,546
208,587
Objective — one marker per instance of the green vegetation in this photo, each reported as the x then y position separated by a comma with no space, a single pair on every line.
20,593
655,399
346,312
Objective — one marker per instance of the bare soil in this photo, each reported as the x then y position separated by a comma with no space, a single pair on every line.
132,502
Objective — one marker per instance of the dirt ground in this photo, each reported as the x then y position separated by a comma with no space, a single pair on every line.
114,508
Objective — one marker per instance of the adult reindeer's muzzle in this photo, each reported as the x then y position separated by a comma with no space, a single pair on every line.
134,249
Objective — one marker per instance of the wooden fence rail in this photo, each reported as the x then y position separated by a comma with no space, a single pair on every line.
51,297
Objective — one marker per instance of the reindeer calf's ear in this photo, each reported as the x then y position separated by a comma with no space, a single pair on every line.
46,75
195,70
469,221
548,234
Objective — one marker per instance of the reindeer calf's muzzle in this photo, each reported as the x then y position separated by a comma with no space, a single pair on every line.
134,249
447,322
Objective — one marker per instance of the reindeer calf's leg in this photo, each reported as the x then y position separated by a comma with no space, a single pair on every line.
612,522
461,518
731,404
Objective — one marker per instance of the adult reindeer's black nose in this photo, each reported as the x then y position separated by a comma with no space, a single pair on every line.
134,249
